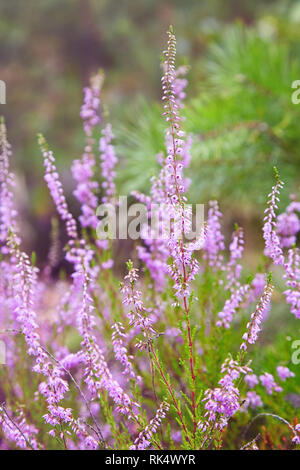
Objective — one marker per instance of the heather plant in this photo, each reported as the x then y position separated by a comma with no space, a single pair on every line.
165,357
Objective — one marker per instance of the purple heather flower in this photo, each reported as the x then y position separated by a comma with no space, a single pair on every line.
54,387
55,187
253,400
254,325
223,402
107,264
288,225
132,297
172,98
90,443
214,243
120,351
176,436
144,438
233,268
256,289
296,438
7,210
284,373
251,380
167,191
90,108
179,84
108,162
257,286
292,278
269,383
82,171
272,242
17,430
97,373
231,306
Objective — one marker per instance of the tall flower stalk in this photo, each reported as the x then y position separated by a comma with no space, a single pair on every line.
272,242
184,266
83,169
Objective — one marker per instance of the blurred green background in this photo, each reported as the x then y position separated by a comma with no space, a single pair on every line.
244,57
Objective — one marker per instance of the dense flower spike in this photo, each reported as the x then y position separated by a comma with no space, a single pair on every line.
132,297
236,249
231,306
288,224
292,278
214,243
17,430
223,402
121,351
296,438
108,162
144,438
7,210
183,266
56,189
254,325
83,169
54,387
171,113
97,373
253,400
24,289
168,188
90,108
272,243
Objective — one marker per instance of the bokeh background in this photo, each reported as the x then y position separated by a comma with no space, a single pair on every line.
243,58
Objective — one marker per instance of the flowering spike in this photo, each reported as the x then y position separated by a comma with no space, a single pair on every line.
254,325
56,190
272,243
144,438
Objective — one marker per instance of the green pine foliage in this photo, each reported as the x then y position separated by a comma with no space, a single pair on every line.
242,120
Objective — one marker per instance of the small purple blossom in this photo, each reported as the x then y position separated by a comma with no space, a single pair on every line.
231,306
272,242
144,438
214,244
292,279
288,225
284,373
267,380
108,163
253,400
251,380
254,325
118,337
56,189
223,402
236,249
90,108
